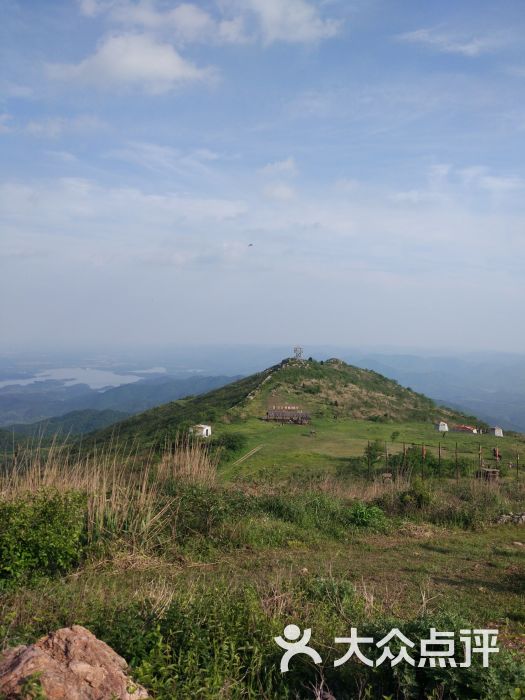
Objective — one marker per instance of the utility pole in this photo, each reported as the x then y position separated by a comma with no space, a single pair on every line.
457,464
423,458
439,456
517,465
369,461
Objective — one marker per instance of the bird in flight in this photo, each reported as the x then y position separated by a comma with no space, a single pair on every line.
250,245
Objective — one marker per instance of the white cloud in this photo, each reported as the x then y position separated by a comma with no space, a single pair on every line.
280,191
71,204
480,177
91,8
157,157
16,90
447,184
132,61
186,22
295,21
63,156
53,127
347,184
280,167
517,71
451,43
4,123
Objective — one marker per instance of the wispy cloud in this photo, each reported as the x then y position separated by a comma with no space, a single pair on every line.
294,21
449,42
5,120
186,22
287,166
279,190
52,127
482,177
446,184
236,21
518,71
132,61
158,157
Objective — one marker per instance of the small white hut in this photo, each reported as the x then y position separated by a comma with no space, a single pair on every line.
496,431
442,427
201,430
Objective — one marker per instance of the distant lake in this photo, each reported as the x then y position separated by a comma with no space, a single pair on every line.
94,378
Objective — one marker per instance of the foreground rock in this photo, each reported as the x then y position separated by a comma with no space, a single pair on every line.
70,664
512,518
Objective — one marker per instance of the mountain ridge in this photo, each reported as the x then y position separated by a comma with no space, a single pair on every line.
328,388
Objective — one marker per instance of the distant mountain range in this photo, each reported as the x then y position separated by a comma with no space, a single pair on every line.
43,400
72,423
491,386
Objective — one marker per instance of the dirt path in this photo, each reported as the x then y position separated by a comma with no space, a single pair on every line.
249,454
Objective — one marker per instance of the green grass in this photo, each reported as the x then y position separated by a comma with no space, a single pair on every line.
206,629
330,391
190,578
289,449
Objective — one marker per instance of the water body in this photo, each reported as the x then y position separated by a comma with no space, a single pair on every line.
94,378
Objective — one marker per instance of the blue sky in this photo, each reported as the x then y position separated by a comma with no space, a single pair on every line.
262,171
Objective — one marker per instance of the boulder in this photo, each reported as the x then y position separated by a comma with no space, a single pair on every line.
512,519
69,664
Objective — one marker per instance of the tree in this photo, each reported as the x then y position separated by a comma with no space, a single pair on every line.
374,450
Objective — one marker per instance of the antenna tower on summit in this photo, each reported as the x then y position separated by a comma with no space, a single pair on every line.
298,353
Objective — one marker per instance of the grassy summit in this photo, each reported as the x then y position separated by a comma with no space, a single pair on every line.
330,389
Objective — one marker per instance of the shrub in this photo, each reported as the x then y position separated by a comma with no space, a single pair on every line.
231,442
41,534
367,516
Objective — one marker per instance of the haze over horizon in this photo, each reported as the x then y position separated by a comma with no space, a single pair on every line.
262,172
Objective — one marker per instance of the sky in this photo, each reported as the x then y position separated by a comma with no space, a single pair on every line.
262,171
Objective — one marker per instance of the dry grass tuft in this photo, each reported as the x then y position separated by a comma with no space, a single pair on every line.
189,460
125,491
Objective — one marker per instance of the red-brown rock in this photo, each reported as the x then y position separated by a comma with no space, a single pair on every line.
71,664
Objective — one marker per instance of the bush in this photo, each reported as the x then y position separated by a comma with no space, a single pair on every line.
40,534
367,516
231,442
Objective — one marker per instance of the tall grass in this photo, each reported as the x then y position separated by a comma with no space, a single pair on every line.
189,460
126,491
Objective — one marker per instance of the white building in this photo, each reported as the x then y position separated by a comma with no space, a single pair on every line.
201,430
442,427
496,431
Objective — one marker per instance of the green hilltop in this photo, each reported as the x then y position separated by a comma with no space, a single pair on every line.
329,389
